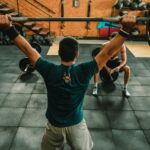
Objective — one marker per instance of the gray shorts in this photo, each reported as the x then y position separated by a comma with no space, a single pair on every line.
77,136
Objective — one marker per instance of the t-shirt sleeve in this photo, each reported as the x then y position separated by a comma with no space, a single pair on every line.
43,67
89,68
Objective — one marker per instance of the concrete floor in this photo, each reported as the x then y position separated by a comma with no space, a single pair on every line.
115,123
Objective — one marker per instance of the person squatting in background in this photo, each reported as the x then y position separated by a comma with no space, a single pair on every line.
119,64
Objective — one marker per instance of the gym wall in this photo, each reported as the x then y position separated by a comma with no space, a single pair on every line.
99,8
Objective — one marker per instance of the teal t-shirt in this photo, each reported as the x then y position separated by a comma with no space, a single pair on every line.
66,87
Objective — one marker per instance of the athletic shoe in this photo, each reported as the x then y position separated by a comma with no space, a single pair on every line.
126,93
95,91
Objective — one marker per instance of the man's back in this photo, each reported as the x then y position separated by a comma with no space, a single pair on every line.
66,86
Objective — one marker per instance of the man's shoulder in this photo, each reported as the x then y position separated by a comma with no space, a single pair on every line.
44,61
44,64
86,62
88,65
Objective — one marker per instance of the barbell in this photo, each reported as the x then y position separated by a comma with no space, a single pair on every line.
117,19
140,20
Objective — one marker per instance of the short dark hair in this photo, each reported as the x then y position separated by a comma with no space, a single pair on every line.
68,49
96,50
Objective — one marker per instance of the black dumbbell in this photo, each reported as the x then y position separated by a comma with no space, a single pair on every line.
135,32
134,6
108,78
48,42
118,4
137,1
25,64
142,6
127,3
6,41
148,5
34,38
104,75
36,46
122,13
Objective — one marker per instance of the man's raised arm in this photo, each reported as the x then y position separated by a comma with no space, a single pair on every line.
116,43
20,41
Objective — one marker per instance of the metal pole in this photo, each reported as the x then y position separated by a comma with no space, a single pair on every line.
24,19
82,19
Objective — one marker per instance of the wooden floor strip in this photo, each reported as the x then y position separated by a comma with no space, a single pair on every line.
53,50
139,49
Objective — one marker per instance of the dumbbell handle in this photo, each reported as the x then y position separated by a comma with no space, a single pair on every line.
112,71
25,70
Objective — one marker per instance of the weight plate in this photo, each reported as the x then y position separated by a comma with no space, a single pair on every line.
25,65
106,77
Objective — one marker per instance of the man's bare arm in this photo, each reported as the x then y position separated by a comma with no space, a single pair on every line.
123,56
116,43
26,48
108,50
20,41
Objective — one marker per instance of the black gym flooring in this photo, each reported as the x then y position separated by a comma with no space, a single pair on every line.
115,123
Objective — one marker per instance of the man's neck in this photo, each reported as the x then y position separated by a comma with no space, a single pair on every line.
67,63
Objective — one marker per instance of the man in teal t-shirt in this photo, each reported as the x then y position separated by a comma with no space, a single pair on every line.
66,85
